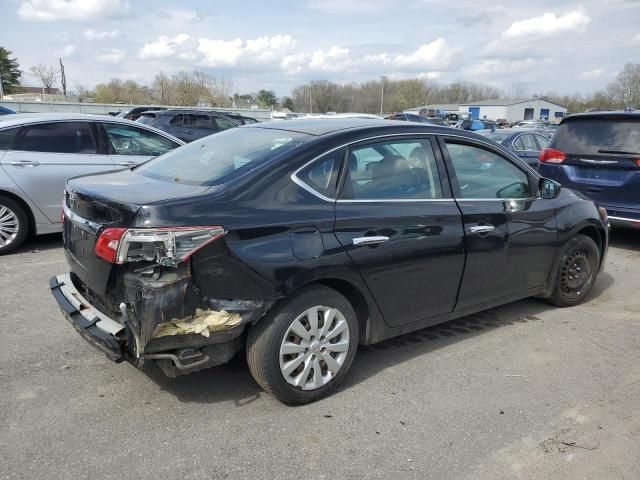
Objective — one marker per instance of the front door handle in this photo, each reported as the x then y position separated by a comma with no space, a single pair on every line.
482,228
128,163
373,240
25,163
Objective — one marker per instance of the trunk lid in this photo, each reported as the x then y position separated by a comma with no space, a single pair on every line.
93,203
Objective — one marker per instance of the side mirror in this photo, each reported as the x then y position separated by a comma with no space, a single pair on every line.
549,189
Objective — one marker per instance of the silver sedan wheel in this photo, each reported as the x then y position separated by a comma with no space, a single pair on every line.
9,226
314,348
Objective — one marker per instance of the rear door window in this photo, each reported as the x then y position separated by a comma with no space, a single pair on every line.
129,140
392,170
197,121
57,137
529,142
7,137
543,142
224,123
598,137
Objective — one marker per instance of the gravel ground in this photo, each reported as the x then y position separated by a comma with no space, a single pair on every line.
524,391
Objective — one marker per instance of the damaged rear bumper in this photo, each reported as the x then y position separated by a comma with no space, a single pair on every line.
96,328
204,339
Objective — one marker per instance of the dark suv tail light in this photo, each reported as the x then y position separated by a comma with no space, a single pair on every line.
552,155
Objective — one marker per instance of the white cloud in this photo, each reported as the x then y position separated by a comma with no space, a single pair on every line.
181,46
231,52
636,40
436,53
52,10
92,34
113,56
348,7
492,67
66,51
591,74
548,24
433,55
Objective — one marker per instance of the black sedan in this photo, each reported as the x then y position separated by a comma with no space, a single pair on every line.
527,144
298,241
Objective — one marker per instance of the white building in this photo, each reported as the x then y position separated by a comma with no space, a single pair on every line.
514,110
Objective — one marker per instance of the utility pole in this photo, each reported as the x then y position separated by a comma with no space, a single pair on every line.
1,89
382,79
310,109
63,79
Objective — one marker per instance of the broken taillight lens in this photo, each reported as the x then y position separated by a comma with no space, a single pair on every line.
166,246
108,243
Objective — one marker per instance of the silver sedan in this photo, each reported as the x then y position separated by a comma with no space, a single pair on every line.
39,152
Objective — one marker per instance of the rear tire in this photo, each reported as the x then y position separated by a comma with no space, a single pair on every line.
302,350
576,273
14,225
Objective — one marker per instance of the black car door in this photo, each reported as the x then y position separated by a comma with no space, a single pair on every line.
399,224
510,231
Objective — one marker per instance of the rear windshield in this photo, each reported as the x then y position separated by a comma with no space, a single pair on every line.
218,158
601,136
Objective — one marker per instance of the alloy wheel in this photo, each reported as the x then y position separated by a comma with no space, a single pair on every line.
314,347
9,226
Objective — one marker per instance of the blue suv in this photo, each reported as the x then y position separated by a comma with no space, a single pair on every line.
598,154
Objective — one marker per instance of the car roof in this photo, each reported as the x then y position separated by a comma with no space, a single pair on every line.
188,110
26,118
326,126
619,114
19,119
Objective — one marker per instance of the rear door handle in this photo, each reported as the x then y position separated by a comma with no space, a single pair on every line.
482,228
128,163
25,163
373,240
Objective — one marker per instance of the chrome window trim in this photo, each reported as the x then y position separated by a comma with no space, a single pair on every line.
295,179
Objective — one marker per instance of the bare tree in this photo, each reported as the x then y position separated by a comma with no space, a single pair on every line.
518,89
625,89
47,74
163,88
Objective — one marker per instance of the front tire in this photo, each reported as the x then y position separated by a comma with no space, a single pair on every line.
576,273
302,350
14,225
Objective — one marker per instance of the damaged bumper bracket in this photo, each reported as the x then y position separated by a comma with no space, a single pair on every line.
96,328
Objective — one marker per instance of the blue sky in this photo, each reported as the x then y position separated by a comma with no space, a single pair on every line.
560,46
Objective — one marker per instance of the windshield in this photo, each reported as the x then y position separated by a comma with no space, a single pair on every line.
218,158
593,137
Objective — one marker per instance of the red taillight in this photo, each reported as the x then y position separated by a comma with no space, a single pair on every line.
552,155
638,162
108,242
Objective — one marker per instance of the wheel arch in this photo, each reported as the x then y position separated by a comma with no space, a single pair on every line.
23,204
